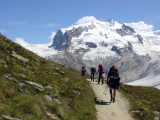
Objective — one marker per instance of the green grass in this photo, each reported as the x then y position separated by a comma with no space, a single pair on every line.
71,88
145,100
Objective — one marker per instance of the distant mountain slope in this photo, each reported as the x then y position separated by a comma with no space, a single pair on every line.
133,47
33,88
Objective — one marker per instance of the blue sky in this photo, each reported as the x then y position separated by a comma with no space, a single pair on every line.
35,20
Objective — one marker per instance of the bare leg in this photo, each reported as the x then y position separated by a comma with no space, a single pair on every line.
99,79
114,94
110,91
93,77
102,80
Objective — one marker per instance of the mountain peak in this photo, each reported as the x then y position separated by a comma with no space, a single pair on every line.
86,19
111,20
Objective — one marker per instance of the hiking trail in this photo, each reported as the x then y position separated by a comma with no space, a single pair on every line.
107,110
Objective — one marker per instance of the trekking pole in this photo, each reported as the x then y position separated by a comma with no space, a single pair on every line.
105,91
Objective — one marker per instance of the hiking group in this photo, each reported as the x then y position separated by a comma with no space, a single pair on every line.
112,80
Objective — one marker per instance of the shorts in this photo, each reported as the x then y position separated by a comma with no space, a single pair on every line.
113,84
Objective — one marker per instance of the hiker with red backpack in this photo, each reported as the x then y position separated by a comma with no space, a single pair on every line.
113,82
101,73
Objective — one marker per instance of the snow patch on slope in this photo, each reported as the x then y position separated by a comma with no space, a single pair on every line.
41,49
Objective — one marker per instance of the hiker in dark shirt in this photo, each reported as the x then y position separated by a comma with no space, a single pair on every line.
113,82
93,71
101,72
83,70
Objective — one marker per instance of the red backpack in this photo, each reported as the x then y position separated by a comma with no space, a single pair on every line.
101,68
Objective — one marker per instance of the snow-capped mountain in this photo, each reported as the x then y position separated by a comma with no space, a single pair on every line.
133,47
97,36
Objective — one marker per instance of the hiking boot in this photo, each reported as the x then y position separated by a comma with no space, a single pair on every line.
95,99
113,99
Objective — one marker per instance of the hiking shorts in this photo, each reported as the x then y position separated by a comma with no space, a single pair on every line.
113,84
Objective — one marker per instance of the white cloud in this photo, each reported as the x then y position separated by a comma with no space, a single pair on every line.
52,35
21,41
141,26
86,19
51,38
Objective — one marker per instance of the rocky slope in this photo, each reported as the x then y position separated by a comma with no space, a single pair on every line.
32,88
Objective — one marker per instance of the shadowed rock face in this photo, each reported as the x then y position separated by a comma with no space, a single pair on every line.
62,41
140,38
91,45
126,30
123,51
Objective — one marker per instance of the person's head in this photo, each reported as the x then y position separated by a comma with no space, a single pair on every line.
100,65
114,67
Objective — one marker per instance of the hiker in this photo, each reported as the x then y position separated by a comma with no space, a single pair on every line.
101,73
83,70
93,71
113,82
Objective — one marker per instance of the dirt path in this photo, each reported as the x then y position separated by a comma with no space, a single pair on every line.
107,110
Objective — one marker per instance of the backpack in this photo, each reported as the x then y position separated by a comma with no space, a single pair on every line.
101,69
115,73
93,70
83,70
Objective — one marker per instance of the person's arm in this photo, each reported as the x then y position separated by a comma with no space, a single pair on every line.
118,72
108,76
107,79
97,71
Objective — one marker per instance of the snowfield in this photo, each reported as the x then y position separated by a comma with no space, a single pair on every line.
42,50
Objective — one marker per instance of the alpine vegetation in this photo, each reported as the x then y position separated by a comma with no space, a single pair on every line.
33,88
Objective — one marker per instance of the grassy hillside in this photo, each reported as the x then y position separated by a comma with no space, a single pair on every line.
57,92
144,101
